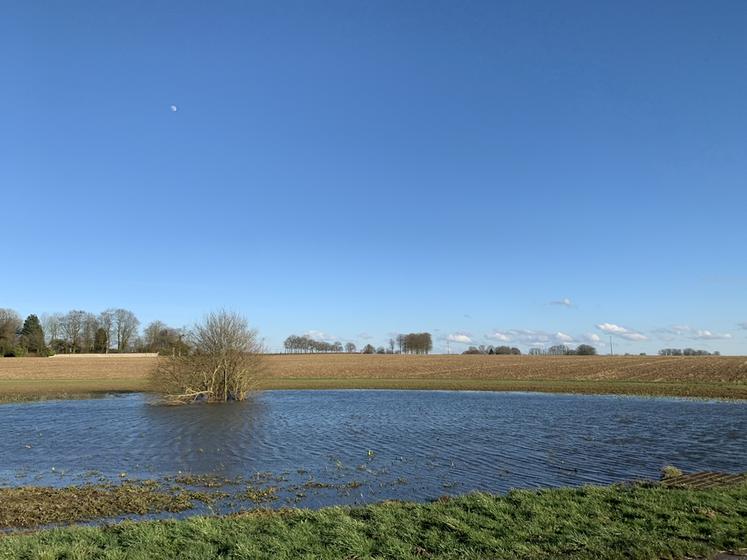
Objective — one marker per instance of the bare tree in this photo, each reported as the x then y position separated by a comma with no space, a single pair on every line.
225,363
52,326
106,320
72,328
88,335
152,335
125,326
350,348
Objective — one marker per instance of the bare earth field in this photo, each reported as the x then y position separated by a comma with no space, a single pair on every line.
698,376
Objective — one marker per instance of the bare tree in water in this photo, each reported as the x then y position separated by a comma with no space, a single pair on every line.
224,362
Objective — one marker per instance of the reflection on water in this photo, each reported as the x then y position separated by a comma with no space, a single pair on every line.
382,444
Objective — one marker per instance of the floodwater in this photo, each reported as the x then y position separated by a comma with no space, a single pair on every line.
330,447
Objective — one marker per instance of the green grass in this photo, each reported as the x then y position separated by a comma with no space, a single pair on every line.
638,522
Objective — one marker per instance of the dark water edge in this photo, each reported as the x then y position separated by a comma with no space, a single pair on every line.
318,448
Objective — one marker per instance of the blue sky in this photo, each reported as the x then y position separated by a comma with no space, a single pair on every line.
359,168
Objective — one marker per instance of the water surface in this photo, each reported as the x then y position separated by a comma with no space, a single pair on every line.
324,447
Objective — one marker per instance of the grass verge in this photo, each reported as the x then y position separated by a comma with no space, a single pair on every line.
631,522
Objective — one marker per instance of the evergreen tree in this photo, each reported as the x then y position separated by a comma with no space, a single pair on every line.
100,341
32,335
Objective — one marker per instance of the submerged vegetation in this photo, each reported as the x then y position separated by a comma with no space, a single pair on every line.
31,506
639,521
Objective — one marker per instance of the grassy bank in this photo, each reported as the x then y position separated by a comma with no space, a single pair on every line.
638,522
697,376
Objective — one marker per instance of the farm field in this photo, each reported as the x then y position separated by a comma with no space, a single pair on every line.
697,376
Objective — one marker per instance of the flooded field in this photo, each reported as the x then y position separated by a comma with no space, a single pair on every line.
315,448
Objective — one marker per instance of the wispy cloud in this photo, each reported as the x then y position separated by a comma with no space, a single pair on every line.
622,332
530,337
742,325
321,336
565,302
459,338
686,331
364,336
708,335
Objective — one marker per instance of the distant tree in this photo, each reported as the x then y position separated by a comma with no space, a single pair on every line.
472,350
491,351
101,341
417,343
391,346
558,350
368,349
88,334
32,335
503,350
349,347
51,325
515,351
381,350
72,330
401,343
536,352
586,350
106,321
10,325
125,327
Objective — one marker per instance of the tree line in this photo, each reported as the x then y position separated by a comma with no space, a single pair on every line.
78,332
412,343
686,352
563,350
482,349
295,344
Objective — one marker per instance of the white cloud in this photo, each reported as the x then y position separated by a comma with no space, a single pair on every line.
321,336
563,337
499,336
685,331
708,335
459,338
622,332
593,338
565,302
530,337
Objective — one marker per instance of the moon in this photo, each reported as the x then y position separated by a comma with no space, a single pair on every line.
174,108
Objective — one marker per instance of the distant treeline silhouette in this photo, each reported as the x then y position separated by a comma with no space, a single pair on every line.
412,343
78,332
305,344
686,352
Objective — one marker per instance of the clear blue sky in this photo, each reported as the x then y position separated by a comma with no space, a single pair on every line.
362,168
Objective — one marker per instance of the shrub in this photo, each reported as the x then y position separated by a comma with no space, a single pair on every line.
224,365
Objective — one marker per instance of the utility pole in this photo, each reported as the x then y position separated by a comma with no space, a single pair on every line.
612,353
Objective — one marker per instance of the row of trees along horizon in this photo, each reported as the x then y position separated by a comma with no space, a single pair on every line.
412,343
118,330
82,332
